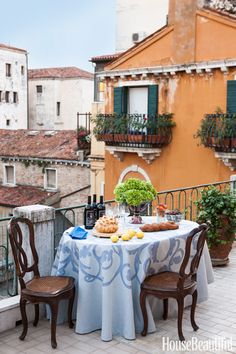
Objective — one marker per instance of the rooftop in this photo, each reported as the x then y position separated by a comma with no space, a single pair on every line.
8,47
59,73
216,318
24,195
105,57
58,144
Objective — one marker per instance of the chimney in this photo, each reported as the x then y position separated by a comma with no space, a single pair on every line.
182,15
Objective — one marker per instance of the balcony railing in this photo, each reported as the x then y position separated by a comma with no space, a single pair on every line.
218,131
134,130
182,199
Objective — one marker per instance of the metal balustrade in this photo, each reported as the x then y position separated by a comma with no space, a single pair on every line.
182,199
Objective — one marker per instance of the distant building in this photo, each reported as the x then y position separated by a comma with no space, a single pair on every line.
13,88
41,167
136,19
56,95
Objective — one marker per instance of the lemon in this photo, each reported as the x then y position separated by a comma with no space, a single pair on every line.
125,237
131,233
140,234
114,238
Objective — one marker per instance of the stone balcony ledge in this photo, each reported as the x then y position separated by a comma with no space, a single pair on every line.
147,154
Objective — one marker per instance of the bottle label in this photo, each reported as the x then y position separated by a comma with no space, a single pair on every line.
101,213
90,218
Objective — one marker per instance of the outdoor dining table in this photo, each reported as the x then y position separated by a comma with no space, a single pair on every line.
108,277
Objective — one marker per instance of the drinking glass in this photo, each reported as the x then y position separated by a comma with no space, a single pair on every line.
123,212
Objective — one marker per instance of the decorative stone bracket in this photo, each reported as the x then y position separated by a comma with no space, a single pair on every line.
147,154
229,159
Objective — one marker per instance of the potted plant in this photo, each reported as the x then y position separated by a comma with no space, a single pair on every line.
218,131
136,128
136,194
104,127
218,209
162,125
84,138
120,128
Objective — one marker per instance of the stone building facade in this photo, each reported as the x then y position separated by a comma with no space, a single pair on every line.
56,95
13,88
42,168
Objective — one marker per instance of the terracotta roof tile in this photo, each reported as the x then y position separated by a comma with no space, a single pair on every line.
23,195
62,144
106,57
60,73
4,46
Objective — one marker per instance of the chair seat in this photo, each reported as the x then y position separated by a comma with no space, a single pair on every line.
48,286
165,281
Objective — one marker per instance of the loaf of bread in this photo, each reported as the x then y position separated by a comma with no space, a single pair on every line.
163,226
106,224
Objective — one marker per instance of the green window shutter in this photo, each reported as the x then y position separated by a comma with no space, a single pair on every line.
120,100
231,96
152,99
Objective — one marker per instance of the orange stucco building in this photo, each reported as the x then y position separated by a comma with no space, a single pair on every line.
190,62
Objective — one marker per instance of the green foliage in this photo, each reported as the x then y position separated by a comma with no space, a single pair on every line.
218,126
218,209
136,123
134,192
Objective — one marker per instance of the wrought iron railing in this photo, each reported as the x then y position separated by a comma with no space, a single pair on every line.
182,199
139,130
218,131
84,131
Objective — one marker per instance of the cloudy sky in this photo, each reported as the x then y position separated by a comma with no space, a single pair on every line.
59,32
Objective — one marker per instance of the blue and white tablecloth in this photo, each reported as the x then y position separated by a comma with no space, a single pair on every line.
108,278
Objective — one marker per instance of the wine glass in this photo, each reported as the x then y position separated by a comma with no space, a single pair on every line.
123,211
112,210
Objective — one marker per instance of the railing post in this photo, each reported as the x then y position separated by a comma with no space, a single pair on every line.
42,217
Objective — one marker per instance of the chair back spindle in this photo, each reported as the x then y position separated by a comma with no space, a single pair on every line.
195,243
19,254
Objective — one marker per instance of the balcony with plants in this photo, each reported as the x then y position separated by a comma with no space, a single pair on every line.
218,132
134,132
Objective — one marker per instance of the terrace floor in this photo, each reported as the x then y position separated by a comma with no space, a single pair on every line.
215,317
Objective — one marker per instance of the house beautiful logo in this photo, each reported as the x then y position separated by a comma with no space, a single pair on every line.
197,345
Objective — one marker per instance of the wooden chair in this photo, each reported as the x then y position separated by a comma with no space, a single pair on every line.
47,289
169,284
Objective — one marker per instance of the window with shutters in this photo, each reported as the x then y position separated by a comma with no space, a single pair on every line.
50,181
231,96
9,175
127,99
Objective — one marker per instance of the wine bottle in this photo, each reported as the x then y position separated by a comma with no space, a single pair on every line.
89,219
95,209
100,208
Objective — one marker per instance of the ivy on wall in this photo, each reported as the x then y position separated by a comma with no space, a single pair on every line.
27,163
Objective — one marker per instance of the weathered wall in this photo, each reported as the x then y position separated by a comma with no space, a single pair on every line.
215,35
134,16
75,96
69,179
182,162
189,96
15,113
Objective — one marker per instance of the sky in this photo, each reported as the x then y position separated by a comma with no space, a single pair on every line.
59,33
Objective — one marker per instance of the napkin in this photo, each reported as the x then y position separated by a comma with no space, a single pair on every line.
78,233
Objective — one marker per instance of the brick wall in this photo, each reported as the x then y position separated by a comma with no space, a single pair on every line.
69,179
